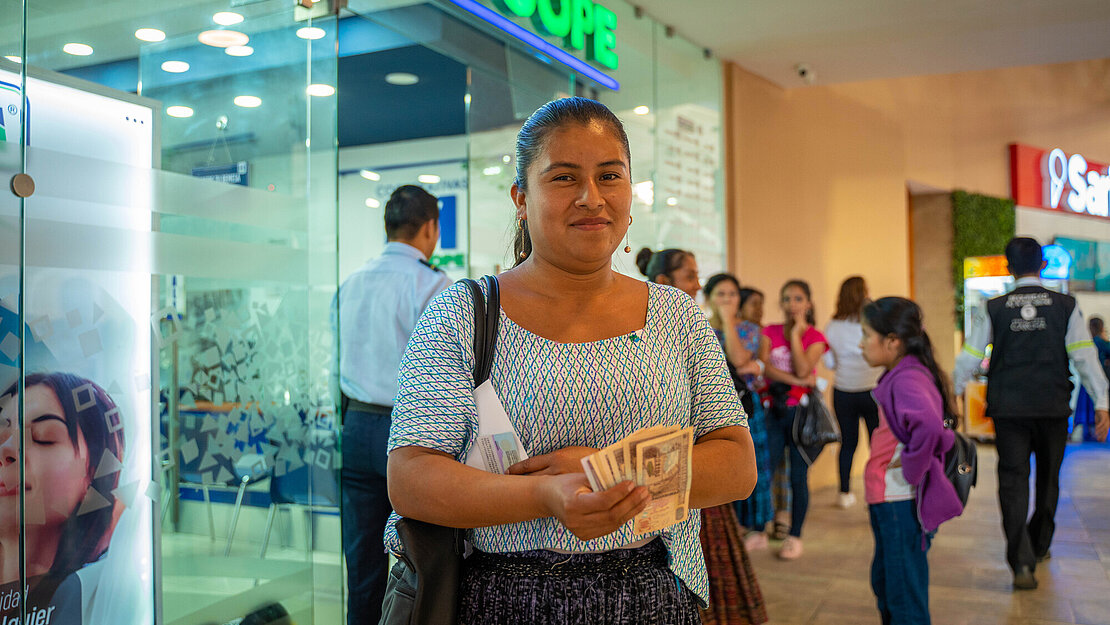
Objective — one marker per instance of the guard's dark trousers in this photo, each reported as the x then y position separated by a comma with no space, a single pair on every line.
1028,538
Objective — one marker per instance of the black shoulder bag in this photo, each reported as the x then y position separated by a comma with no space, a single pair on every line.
423,587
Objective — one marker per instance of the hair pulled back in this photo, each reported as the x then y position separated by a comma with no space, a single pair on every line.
852,297
746,294
661,263
902,318
811,317
716,279
532,139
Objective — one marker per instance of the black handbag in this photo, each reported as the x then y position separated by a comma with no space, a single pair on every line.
814,427
961,463
423,587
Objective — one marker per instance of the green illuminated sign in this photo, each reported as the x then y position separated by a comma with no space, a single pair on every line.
582,24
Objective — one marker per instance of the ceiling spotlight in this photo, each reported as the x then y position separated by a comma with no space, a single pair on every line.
14,59
505,158
227,18
402,78
320,90
641,110
223,38
77,49
248,101
672,201
175,67
370,175
179,111
239,50
150,34
491,171
372,203
428,178
311,32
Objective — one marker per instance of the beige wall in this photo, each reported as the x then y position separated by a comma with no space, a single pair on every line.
819,175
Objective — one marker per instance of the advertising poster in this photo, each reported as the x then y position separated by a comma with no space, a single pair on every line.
87,490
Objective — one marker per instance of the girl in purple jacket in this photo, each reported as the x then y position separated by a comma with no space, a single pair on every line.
904,482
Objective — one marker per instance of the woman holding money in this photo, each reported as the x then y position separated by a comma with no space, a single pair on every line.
585,357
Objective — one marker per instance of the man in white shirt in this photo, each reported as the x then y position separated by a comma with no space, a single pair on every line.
1035,333
378,307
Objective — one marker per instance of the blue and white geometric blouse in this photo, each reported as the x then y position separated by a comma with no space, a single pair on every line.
562,394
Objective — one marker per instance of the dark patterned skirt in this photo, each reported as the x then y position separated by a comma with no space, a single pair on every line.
619,587
734,596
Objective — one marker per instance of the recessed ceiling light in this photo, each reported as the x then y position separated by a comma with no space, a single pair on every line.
77,49
248,101
372,203
239,50
491,171
223,38
150,34
428,178
311,32
672,201
320,90
14,59
402,78
175,67
370,175
641,110
179,111
505,158
227,18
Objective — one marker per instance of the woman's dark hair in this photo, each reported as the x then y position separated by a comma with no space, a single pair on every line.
717,279
1024,256
853,295
811,317
661,263
532,138
902,318
408,209
1095,325
746,294
91,413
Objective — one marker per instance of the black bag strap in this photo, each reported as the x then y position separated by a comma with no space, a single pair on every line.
487,319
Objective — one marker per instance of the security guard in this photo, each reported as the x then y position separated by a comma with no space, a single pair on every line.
1035,332
378,306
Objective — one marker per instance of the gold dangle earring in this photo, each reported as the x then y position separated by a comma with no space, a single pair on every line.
521,224
627,247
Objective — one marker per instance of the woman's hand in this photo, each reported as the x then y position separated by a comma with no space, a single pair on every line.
727,312
587,514
800,325
562,461
752,368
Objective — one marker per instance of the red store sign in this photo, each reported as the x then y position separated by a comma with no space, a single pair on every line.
1057,181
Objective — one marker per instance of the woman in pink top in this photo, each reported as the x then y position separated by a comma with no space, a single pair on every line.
790,356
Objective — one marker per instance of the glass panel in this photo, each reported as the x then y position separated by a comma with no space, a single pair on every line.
689,182
183,237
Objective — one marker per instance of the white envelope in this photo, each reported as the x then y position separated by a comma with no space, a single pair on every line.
497,445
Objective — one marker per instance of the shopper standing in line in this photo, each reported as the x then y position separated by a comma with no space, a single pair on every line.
725,299
378,306
907,492
734,594
1035,332
852,398
790,357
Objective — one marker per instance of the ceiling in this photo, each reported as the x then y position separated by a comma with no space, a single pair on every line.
854,40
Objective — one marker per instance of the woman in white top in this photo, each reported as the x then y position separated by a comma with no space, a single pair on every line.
854,378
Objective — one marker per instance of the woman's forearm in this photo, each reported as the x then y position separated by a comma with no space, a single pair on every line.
737,354
802,366
778,375
431,486
723,467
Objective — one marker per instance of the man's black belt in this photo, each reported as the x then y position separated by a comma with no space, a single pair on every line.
351,403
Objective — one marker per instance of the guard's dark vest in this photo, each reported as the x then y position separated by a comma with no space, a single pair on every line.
1028,375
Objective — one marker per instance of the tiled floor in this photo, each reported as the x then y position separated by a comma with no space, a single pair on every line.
970,582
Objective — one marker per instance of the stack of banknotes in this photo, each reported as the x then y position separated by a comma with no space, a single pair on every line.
658,458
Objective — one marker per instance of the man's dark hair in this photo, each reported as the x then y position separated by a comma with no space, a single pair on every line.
1024,256
408,209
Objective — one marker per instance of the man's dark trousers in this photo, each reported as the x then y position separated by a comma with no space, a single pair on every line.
1016,438
365,511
